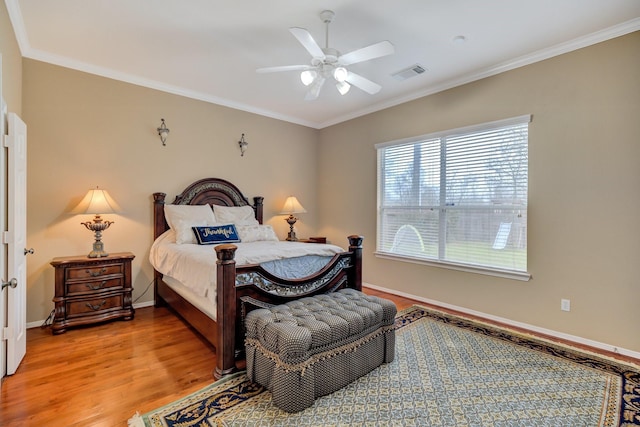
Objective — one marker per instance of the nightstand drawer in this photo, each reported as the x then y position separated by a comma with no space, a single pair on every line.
79,288
92,272
94,305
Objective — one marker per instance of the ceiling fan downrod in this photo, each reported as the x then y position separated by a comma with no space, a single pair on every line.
327,17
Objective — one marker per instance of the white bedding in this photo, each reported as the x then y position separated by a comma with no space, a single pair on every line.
195,265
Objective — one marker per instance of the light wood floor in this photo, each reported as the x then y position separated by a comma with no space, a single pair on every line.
101,375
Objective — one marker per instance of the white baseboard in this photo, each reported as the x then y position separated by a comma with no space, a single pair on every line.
143,304
509,322
36,324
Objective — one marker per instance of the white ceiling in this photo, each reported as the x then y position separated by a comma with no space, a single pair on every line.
210,49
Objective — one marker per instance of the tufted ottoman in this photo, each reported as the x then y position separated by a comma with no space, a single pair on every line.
316,345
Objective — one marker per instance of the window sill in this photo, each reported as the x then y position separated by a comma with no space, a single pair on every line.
507,274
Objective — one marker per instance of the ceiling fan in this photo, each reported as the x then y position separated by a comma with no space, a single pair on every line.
329,63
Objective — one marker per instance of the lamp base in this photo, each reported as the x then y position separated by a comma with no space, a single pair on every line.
291,236
97,226
98,251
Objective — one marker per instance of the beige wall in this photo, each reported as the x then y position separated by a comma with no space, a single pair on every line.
584,191
86,130
11,64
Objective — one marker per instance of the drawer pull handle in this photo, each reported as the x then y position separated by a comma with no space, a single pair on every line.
97,307
95,287
96,273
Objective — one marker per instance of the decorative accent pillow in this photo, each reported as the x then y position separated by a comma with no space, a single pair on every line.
182,217
212,234
256,233
238,215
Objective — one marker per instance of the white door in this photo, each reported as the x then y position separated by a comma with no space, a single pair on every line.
3,250
16,238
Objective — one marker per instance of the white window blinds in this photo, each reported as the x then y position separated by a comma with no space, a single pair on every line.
457,197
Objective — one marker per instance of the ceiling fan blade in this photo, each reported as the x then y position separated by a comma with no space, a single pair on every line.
284,68
373,51
363,83
314,90
305,38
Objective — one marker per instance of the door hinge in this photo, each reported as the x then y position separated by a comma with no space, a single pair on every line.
9,141
7,333
7,237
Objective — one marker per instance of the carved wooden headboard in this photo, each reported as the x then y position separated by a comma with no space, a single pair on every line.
211,191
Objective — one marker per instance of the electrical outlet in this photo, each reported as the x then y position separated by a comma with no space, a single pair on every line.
565,305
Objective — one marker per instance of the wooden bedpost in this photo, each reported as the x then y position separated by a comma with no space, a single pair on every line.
159,226
225,310
257,206
355,273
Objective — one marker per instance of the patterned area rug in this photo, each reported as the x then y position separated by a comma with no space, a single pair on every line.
448,371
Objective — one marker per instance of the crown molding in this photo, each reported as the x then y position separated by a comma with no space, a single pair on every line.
17,21
531,58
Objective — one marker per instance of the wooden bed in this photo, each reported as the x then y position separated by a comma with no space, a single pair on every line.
241,289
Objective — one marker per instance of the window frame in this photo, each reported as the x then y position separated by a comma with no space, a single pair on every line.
486,270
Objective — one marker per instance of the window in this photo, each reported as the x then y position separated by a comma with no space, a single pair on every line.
457,198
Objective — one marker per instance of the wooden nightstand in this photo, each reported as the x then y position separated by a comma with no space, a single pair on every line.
314,240
91,290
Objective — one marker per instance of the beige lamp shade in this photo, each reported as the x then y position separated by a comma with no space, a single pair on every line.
97,202
292,206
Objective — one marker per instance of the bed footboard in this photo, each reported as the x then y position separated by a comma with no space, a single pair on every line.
242,289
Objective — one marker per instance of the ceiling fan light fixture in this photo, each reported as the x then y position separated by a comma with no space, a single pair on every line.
314,89
340,74
343,87
308,76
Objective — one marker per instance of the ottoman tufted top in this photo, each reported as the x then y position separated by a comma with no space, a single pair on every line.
301,328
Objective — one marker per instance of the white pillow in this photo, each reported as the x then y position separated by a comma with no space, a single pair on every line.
256,233
238,215
182,217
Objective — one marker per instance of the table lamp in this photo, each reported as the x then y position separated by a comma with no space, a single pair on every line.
97,202
292,206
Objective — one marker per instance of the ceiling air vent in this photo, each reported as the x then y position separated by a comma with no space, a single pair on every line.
412,71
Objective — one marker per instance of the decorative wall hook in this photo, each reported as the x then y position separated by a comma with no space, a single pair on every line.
243,145
163,131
